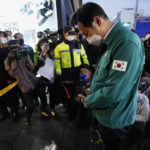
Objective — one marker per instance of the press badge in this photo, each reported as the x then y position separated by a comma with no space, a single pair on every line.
119,65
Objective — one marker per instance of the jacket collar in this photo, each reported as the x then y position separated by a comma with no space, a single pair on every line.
112,33
68,42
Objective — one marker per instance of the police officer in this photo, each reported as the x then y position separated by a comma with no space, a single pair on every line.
113,91
69,55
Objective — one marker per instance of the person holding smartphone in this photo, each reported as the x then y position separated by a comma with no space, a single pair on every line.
46,52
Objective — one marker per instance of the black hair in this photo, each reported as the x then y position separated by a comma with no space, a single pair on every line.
85,66
74,18
4,34
15,35
86,14
8,31
40,43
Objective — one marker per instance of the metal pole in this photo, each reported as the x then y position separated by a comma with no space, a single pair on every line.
135,14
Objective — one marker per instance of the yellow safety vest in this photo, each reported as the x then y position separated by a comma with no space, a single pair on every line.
63,57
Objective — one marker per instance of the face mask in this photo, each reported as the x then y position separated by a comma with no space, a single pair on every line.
95,39
70,38
3,40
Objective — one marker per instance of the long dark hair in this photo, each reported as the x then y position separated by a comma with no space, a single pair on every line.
40,43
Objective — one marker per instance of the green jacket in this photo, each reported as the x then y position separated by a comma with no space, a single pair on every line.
113,91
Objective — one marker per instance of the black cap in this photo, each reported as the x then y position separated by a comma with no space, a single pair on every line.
70,30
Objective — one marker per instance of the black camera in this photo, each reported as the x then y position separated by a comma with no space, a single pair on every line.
54,38
47,33
21,53
18,51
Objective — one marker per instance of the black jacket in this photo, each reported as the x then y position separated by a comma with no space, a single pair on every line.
4,76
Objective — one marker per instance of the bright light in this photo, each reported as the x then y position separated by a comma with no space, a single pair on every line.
28,17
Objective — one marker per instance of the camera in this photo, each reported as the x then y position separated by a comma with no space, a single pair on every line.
54,37
46,33
21,53
18,51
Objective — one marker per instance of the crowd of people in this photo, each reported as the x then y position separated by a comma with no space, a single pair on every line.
22,63
100,71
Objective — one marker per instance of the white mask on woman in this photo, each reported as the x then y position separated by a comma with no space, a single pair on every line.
3,40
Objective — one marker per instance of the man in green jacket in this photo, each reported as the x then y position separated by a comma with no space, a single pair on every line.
113,91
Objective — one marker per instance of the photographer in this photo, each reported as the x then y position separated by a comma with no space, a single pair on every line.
20,67
18,36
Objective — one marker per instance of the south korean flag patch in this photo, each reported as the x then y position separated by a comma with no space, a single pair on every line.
119,65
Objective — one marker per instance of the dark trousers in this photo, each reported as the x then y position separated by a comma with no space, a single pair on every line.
53,90
20,95
29,101
52,95
137,134
115,139
9,99
70,104
39,90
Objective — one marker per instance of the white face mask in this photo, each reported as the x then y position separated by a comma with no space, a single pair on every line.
3,40
70,38
95,39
